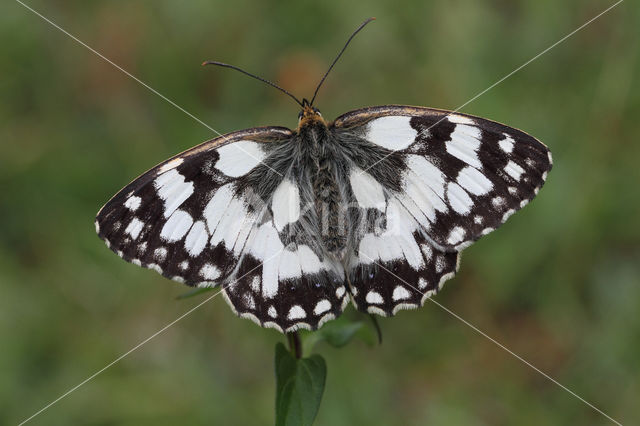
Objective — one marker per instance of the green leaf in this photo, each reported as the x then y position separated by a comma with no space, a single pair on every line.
342,334
299,387
339,332
194,292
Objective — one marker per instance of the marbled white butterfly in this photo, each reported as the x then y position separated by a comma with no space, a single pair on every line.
373,208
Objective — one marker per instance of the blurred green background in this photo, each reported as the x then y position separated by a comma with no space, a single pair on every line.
559,284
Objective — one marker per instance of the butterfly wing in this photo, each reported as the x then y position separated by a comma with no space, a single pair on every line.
445,179
214,215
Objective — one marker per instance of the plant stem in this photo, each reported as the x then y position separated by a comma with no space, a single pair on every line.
295,347
377,327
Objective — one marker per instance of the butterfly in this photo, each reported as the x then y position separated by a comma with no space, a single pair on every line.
372,208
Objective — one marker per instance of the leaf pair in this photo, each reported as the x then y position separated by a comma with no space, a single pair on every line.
299,387
300,381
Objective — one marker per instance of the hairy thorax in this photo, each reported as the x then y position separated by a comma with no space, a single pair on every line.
323,176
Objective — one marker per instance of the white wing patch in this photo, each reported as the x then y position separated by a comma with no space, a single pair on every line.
513,170
197,239
367,190
456,235
285,204
215,208
134,228
228,228
423,184
400,293
289,265
296,312
268,248
374,298
133,203
506,144
459,199
209,272
459,119
464,144
309,261
391,132
428,173
238,158
171,165
176,226
173,190
160,254
322,306
474,181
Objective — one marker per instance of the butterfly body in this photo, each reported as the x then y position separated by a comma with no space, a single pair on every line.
372,208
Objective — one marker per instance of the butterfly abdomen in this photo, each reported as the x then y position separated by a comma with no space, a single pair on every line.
328,201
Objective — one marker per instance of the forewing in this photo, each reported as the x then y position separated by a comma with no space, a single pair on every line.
190,216
458,176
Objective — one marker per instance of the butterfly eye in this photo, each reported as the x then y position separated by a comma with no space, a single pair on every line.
317,111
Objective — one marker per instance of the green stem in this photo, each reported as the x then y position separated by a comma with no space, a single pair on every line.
295,347
377,327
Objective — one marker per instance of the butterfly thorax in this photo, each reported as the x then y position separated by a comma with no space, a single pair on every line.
314,133
310,118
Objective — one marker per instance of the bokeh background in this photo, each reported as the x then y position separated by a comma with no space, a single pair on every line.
558,284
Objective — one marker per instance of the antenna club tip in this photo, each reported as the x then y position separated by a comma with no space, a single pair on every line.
205,63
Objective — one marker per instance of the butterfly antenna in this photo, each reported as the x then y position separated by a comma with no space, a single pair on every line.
233,67
338,57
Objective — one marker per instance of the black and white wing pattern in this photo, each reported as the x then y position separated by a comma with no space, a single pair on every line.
373,208
434,181
223,213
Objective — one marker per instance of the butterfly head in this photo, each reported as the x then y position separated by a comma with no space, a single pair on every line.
309,115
